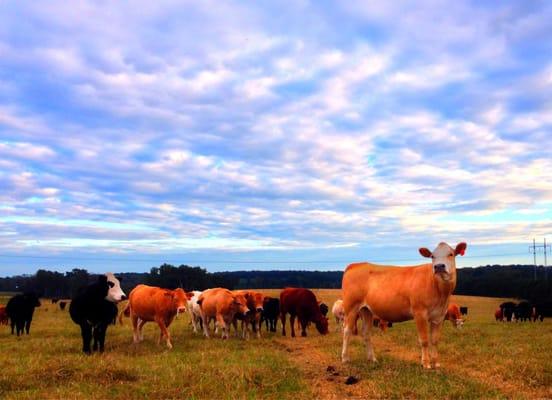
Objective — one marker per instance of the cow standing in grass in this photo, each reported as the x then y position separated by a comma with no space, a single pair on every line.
271,313
398,294
301,303
94,308
20,310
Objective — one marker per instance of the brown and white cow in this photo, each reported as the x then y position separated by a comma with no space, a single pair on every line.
398,294
222,305
151,303
255,302
454,316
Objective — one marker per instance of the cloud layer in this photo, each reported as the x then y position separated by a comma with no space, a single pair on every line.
259,131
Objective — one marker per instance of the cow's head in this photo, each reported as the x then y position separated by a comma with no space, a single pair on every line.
179,300
240,304
322,325
32,299
459,323
258,301
443,258
114,292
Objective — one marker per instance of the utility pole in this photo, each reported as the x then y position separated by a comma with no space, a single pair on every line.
534,260
545,248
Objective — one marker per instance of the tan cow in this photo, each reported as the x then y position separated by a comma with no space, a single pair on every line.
220,304
339,314
150,303
398,294
454,316
255,301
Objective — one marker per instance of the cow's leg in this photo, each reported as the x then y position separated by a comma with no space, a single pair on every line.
258,323
12,323
27,326
367,321
423,337
20,327
95,337
86,333
303,322
163,331
435,336
292,324
205,323
283,318
350,322
141,324
220,322
135,331
101,336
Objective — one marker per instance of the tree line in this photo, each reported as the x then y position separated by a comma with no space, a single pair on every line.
515,281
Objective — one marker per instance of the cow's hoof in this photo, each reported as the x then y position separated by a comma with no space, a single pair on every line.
345,360
437,365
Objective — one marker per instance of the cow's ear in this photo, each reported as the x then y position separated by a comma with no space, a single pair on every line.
425,252
460,249
102,279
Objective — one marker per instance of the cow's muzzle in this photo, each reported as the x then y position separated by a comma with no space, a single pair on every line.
259,309
439,268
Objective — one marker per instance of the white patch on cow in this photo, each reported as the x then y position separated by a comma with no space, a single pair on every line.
115,294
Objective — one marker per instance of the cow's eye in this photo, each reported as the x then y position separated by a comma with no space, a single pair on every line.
111,284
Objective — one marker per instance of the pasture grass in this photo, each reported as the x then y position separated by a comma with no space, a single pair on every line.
485,359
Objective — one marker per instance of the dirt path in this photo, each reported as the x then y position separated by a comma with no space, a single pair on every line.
325,375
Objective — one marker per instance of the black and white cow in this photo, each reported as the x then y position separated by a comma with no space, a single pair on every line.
94,308
20,310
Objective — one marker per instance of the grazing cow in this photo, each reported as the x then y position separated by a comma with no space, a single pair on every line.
151,303
339,314
221,305
508,308
255,303
301,303
398,294
454,316
271,312
523,311
499,315
20,310
464,310
194,311
94,308
62,305
3,315
542,310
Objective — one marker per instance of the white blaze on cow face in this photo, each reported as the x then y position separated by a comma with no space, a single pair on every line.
115,294
443,258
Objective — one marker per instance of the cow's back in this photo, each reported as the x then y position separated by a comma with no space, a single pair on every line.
298,301
216,300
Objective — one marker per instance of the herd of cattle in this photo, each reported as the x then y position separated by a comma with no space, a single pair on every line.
377,295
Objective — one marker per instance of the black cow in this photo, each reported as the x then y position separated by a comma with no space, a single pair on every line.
523,311
94,308
20,310
542,310
62,305
508,309
464,310
324,309
271,312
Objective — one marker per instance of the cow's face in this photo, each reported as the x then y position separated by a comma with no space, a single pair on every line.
443,258
459,322
240,304
258,300
114,294
322,325
180,300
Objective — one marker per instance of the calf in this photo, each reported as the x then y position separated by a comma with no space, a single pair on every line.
194,312
94,308
3,315
20,310
339,314
454,316
222,305
398,294
255,302
151,303
301,303
271,312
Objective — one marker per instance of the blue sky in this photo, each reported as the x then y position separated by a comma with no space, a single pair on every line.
239,135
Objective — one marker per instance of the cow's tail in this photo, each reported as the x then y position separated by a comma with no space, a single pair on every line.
124,313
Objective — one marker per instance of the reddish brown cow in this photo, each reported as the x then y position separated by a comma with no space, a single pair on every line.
454,316
150,303
222,305
301,303
499,315
3,315
255,301
398,294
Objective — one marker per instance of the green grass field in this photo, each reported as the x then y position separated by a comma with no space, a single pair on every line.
485,359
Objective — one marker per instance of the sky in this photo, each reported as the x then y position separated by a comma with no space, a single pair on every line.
272,135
